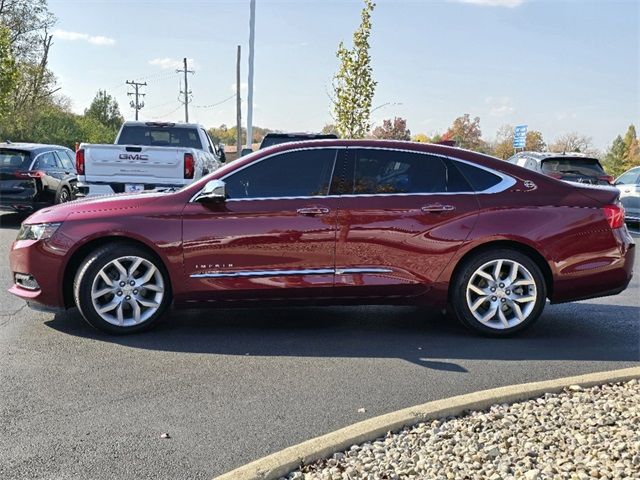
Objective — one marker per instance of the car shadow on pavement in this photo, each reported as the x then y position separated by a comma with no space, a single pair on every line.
577,331
11,220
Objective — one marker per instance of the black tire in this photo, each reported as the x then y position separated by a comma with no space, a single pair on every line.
64,195
91,267
458,292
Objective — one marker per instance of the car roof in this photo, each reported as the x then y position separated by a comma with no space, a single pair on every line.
32,147
138,123
300,134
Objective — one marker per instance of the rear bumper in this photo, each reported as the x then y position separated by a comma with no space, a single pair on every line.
101,189
602,280
21,205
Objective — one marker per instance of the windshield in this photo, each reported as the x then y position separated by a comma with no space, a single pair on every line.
570,165
159,136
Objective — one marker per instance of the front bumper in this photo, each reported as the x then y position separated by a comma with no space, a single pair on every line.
44,260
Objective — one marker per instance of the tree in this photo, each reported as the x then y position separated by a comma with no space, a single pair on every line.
466,133
330,128
572,142
353,84
614,160
420,138
632,147
104,109
395,129
534,141
503,145
8,71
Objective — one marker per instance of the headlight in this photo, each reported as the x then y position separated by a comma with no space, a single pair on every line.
37,231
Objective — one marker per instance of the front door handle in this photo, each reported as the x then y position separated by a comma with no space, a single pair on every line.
311,211
437,207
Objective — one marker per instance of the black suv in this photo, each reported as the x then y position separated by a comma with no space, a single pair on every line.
271,139
33,176
570,167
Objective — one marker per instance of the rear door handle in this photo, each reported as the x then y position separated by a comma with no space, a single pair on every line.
311,211
437,207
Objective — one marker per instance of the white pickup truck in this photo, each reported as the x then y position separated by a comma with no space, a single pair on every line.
146,156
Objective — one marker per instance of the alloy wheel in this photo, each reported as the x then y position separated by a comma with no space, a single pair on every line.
127,291
501,294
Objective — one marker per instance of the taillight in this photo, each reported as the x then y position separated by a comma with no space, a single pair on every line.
30,174
188,165
607,178
80,161
614,215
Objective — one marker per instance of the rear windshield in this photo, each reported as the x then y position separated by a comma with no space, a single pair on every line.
14,160
567,165
159,136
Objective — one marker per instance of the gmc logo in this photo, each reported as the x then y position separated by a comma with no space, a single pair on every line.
133,156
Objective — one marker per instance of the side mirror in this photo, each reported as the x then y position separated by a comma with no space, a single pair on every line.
213,191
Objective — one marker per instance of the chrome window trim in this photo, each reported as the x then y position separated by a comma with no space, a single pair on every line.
505,182
281,273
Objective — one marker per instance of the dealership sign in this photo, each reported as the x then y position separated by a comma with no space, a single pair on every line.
519,136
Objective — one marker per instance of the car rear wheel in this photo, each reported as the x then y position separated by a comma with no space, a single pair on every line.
121,288
499,292
64,196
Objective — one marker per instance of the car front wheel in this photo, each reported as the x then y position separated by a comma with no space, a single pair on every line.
499,292
121,288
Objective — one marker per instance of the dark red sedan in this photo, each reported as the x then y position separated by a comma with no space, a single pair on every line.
333,222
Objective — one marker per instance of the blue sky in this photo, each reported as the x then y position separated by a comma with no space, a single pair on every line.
558,66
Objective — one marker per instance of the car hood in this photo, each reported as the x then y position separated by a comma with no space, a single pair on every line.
109,203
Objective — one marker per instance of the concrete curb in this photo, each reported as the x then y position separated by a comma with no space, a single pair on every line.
281,463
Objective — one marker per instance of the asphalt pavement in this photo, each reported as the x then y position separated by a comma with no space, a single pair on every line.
230,386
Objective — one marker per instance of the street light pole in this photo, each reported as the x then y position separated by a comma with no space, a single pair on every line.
252,38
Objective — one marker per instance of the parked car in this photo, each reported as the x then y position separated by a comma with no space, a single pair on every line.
147,156
570,167
351,222
33,176
271,139
629,185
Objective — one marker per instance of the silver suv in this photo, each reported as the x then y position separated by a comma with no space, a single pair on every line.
571,167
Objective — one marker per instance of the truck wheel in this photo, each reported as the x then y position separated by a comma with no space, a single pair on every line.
122,288
498,292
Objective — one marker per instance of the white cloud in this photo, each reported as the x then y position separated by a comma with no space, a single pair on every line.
93,39
492,3
243,87
565,115
500,106
172,63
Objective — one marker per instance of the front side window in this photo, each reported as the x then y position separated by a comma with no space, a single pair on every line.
393,172
302,173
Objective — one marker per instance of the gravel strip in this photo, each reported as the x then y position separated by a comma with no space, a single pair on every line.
577,434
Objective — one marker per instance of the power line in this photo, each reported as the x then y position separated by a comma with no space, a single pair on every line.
216,104
169,113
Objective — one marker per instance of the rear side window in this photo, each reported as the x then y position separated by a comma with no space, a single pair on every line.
303,173
160,136
46,161
580,166
479,178
14,160
387,171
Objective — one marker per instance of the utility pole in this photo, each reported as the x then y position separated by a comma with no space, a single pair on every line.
186,91
136,104
252,40
238,106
